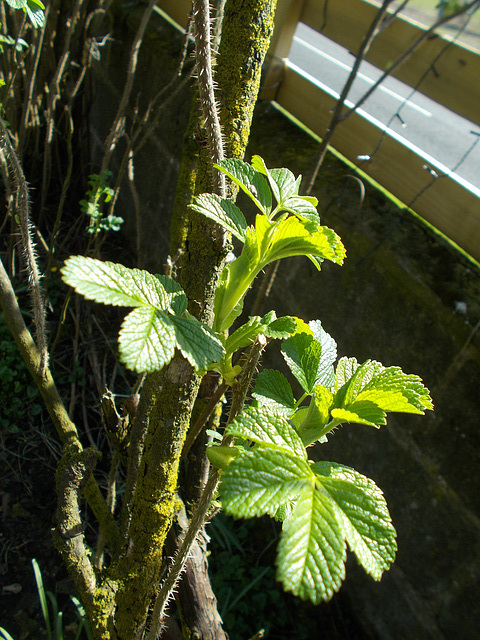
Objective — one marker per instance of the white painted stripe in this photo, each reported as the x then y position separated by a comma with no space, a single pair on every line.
430,160
391,93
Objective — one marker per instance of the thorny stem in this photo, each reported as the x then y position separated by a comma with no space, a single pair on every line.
22,212
239,394
203,56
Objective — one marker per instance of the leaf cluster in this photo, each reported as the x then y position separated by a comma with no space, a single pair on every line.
287,225
99,194
324,506
159,322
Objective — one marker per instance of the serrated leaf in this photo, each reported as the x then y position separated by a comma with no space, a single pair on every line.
371,383
33,8
291,237
197,342
258,483
114,284
280,327
363,515
311,553
250,181
146,340
325,372
269,429
302,354
222,211
360,413
273,389
244,335
416,397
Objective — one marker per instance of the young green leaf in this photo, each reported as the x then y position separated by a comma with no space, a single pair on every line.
365,392
362,514
303,354
33,8
222,211
269,325
114,284
310,421
250,181
197,342
290,237
325,372
258,483
146,340
312,551
273,390
282,181
280,328
267,429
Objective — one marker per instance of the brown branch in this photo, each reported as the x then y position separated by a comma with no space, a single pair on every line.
72,475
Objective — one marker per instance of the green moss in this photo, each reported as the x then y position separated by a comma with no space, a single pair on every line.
242,49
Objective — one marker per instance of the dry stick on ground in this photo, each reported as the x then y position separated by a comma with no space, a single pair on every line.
338,116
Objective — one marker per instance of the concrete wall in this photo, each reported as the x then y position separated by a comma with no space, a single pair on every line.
404,297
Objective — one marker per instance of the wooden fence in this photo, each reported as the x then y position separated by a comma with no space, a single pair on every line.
449,75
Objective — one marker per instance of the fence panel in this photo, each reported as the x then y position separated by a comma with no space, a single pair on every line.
454,79
445,204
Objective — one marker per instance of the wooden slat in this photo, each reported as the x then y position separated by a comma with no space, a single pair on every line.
178,10
456,80
448,206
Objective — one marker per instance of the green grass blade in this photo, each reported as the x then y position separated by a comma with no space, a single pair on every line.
42,597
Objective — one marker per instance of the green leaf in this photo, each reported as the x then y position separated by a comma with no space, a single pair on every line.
250,181
325,371
273,389
363,515
258,483
269,325
267,429
385,387
312,551
368,390
310,421
302,354
282,181
291,237
33,8
197,342
223,212
146,340
280,327
114,284
360,413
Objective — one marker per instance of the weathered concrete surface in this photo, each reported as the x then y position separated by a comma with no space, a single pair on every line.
404,297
